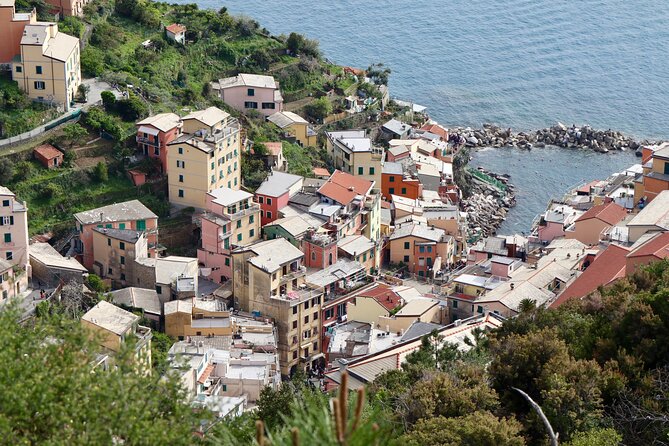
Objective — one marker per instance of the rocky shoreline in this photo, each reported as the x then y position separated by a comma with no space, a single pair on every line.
488,205
583,137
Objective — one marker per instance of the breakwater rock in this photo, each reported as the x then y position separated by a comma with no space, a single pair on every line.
487,205
584,137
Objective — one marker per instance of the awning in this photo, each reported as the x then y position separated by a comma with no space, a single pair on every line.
207,371
148,130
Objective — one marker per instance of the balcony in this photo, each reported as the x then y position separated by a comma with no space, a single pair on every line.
300,272
224,236
252,209
149,141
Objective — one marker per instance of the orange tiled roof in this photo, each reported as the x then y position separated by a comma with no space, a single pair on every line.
320,172
436,129
274,148
384,295
205,374
610,213
658,246
608,266
343,187
48,151
175,28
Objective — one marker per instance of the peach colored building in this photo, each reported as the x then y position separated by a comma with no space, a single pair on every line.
127,215
246,92
155,133
419,246
296,126
205,157
588,227
11,284
48,67
114,254
14,230
49,156
68,8
231,220
11,29
655,174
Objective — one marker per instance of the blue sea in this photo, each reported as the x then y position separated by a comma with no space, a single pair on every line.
523,64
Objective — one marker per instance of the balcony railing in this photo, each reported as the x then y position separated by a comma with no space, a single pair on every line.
149,141
300,272
252,209
224,236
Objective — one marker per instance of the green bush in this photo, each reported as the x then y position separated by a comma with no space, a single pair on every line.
96,284
101,172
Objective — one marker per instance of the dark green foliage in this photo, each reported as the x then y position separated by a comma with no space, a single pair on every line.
73,26
96,283
298,45
378,73
319,109
160,345
6,171
108,100
101,172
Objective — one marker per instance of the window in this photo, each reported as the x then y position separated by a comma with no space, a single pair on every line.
364,257
156,151
213,166
5,203
306,305
421,273
407,245
429,249
181,150
108,226
40,85
122,260
306,352
252,233
406,259
213,179
181,164
313,256
666,168
391,179
122,276
268,106
109,270
249,104
455,304
141,225
294,308
250,92
269,201
181,178
227,261
315,316
251,218
9,255
159,289
371,171
306,319
421,249
479,309
38,69
315,346
19,69
121,245
239,224
429,261
239,237
108,242
226,243
261,200
294,324
8,238
7,221
391,191
295,355
181,193
121,225
361,170
329,313
404,190
269,215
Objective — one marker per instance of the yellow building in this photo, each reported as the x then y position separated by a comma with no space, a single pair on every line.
295,125
205,157
197,317
115,251
113,327
48,68
269,280
351,151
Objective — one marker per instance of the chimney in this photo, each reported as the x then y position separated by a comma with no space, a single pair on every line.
513,285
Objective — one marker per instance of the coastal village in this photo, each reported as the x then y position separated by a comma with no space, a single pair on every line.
342,269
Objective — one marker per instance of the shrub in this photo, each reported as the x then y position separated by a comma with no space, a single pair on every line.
108,100
101,172
6,171
319,108
96,283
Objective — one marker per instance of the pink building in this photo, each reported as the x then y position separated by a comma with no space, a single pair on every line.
274,192
155,133
11,29
13,230
231,219
246,92
128,215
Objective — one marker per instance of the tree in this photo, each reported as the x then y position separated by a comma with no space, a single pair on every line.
434,353
596,437
477,428
74,133
101,172
82,92
108,100
76,403
132,108
6,171
378,73
319,109
527,305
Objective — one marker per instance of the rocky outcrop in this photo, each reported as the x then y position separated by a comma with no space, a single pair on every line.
488,205
584,137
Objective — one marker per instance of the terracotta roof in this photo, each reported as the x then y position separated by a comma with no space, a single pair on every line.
48,151
608,266
343,187
175,28
436,129
384,295
205,374
658,247
321,172
610,213
274,148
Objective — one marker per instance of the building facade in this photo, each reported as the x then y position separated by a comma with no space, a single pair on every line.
14,243
155,133
246,92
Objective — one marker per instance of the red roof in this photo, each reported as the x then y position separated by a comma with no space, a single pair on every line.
205,374
658,247
175,28
274,148
610,213
48,151
320,172
384,295
436,129
343,187
608,266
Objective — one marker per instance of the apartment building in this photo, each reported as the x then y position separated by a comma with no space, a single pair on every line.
655,178
67,8
422,248
269,281
294,125
114,254
14,229
274,193
127,215
155,133
204,158
231,220
11,29
114,327
48,67
246,92
352,152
